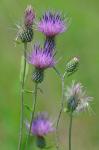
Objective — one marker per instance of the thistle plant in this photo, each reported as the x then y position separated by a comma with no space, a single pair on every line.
77,101
25,35
41,58
71,67
41,126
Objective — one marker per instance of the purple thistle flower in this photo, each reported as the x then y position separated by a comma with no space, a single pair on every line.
41,58
29,16
51,24
41,125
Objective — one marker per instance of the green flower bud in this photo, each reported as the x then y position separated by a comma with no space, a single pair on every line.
26,34
40,142
72,65
38,75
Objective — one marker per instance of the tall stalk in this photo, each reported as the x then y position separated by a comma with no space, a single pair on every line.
70,130
61,107
33,112
60,112
22,99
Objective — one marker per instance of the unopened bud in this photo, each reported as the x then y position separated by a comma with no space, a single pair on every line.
25,34
29,17
72,65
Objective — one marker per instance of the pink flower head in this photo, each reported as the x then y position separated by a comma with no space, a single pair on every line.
41,58
51,24
29,16
41,125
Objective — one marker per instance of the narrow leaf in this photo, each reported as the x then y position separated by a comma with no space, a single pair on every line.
26,71
27,107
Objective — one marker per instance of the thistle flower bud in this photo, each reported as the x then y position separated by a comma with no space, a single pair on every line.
29,17
76,97
25,34
40,142
72,65
38,75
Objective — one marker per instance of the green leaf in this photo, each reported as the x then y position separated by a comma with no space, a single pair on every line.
28,91
27,107
26,71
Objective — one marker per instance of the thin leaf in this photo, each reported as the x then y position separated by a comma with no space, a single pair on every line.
27,91
27,107
27,70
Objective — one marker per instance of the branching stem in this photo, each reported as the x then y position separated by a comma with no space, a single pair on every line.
61,107
59,115
22,99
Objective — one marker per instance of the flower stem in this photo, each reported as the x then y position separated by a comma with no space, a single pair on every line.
22,100
33,112
59,115
57,72
70,130
50,43
61,108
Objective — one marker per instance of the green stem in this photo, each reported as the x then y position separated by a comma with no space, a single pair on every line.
22,100
59,115
61,108
70,130
33,112
58,73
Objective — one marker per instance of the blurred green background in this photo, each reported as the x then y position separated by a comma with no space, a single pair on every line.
82,39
